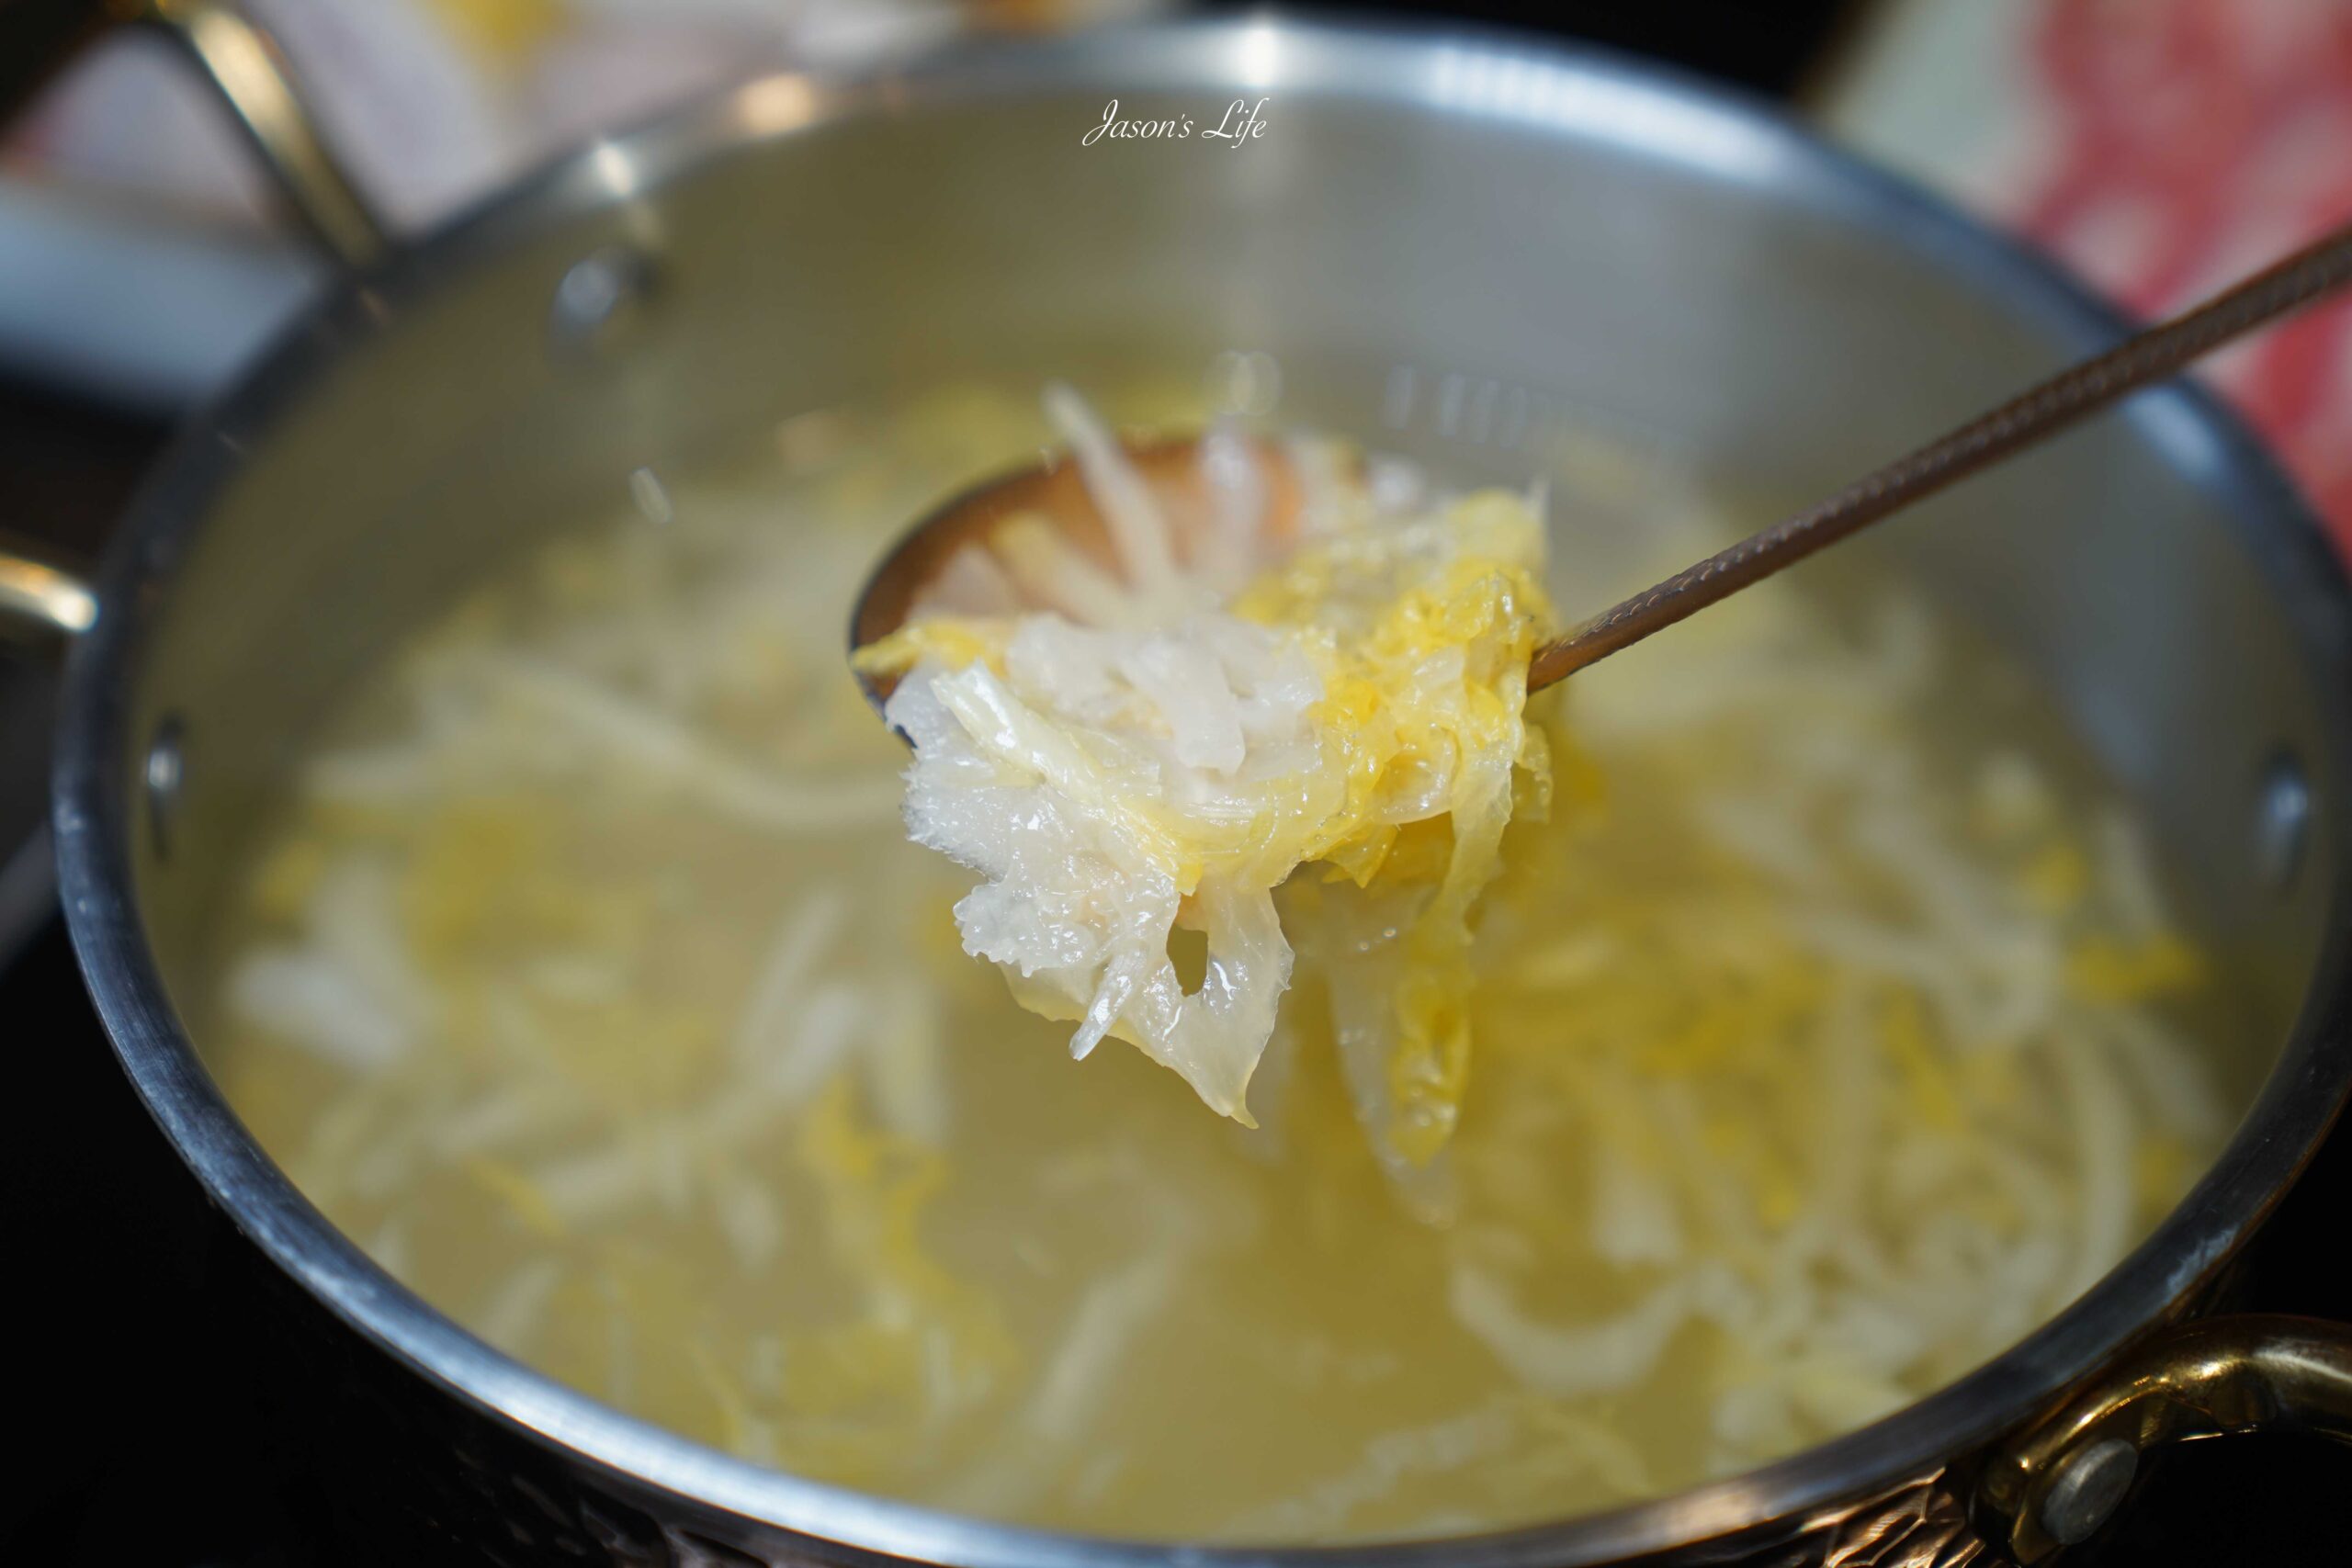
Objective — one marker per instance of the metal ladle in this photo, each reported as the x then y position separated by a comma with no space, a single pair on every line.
1055,490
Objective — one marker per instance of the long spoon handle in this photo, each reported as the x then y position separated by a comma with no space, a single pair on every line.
2044,411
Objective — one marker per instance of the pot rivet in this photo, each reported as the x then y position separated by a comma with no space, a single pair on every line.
2282,821
598,297
2089,1486
165,773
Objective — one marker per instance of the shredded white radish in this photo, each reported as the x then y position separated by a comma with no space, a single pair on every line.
1139,533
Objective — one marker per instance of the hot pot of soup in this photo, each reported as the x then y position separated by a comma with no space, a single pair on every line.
1925,974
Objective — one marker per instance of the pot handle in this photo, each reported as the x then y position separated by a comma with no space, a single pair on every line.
2247,1372
38,36
37,594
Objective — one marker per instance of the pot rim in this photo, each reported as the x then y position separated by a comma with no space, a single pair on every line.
1559,90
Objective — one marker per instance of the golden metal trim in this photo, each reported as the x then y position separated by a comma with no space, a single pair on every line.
2244,1373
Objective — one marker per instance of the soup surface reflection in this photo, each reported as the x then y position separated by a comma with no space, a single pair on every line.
585,977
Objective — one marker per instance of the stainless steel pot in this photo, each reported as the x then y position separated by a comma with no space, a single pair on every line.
1452,241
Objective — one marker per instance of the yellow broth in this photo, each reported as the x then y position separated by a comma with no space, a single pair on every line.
585,977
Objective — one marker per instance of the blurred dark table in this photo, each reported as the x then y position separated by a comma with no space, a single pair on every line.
135,1446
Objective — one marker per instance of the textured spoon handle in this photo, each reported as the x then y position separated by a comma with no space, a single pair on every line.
2044,411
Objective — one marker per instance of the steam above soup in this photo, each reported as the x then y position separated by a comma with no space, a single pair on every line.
586,976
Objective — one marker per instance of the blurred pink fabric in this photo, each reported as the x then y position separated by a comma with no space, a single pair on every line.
2182,143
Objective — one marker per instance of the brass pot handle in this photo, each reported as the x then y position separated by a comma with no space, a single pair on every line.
2056,1484
38,36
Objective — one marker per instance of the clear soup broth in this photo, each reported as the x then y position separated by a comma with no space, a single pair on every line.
1831,1034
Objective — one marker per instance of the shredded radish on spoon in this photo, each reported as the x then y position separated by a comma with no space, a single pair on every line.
1148,753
